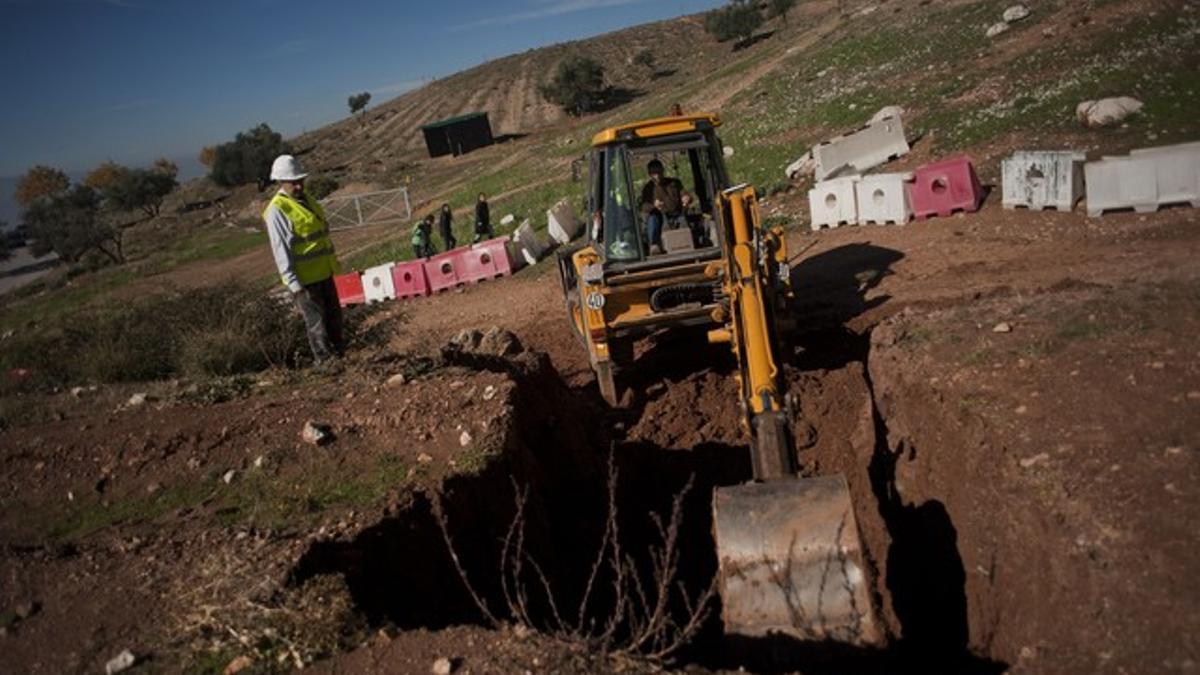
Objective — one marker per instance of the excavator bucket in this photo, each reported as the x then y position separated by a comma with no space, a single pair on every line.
791,563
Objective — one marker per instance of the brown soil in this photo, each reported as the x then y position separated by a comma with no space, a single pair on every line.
1023,497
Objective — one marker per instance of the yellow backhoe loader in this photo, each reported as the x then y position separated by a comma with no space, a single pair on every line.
788,547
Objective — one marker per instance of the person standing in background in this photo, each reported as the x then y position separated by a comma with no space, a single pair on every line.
304,257
421,238
446,227
483,220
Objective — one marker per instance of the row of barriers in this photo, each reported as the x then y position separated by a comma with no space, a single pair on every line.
419,278
937,189
1144,180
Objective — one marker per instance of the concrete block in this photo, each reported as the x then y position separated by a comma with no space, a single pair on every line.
833,203
529,244
1042,180
409,280
678,240
884,198
349,289
563,225
377,283
1121,183
941,188
864,149
1176,172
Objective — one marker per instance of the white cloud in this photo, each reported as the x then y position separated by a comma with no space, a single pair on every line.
549,8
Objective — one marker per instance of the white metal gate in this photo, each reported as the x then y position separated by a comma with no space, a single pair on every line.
371,208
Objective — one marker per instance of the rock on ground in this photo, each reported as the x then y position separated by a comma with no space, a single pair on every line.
120,663
1016,13
317,434
494,341
997,28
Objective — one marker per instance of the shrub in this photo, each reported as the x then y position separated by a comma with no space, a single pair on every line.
68,223
358,102
780,9
207,156
40,181
321,187
218,331
247,158
577,85
739,19
645,59
138,189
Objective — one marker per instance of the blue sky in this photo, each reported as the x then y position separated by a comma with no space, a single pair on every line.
131,80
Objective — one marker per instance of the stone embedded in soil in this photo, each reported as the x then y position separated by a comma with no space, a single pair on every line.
24,610
1030,462
997,28
1016,13
396,380
1002,327
138,399
424,458
228,477
120,663
316,434
238,665
443,666
464,439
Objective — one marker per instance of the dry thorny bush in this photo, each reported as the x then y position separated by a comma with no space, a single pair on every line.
639,623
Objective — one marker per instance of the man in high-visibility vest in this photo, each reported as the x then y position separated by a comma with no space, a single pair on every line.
305,257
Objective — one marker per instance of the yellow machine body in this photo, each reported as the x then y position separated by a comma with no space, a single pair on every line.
788,548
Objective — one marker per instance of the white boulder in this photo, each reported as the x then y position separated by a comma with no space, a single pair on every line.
1107,111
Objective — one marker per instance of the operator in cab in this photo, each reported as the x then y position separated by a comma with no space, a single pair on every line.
663,203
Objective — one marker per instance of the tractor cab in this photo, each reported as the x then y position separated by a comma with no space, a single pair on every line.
620,197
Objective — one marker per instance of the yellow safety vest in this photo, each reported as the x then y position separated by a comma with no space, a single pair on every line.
313,258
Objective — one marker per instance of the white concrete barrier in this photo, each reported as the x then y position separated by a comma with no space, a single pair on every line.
884,198
1042,179
531,247
833,203
1176,171
864,149
563,226
1145,180
377,283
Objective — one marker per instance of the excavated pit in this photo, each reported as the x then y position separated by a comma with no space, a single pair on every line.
682,426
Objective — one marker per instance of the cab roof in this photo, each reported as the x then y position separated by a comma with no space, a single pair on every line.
659,126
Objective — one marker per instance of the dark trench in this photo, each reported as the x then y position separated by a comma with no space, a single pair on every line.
400,571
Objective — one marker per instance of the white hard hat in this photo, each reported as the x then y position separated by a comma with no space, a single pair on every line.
285,167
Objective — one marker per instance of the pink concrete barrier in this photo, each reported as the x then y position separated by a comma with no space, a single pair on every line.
409,280
442,271
485,260
349,289
941,188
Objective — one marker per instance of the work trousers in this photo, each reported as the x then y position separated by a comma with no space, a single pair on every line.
318,304
448,237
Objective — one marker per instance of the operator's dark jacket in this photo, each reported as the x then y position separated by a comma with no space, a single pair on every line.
669,190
